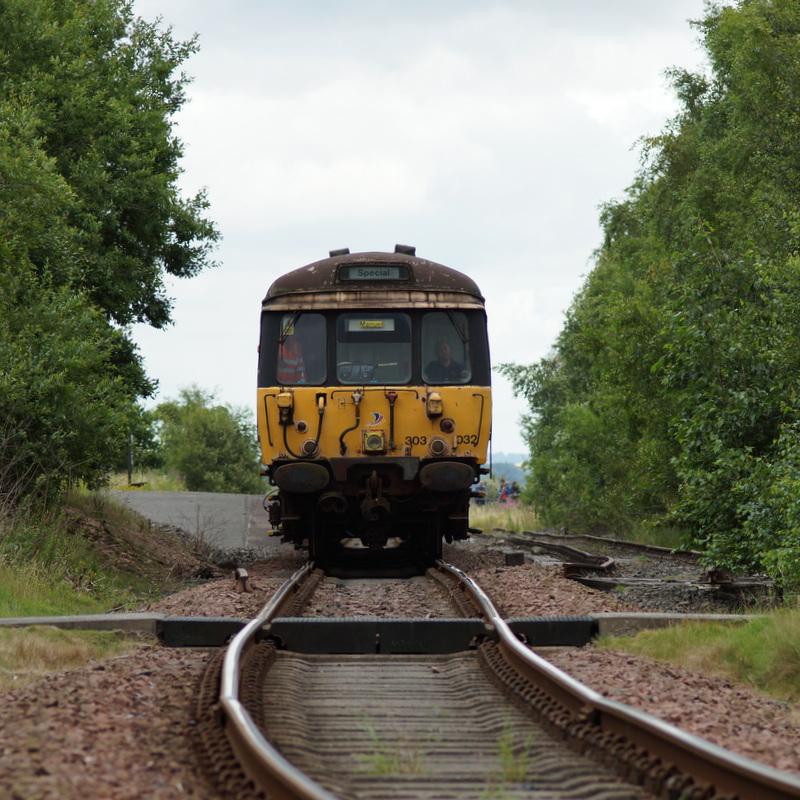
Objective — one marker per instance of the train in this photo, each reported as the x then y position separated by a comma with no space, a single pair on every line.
374,402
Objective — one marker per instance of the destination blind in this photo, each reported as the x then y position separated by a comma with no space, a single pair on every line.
373,273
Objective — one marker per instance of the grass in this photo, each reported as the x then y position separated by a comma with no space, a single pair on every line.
48,567
391,759
513,756
46,570
28,653
31,590
102,506
662,536
764,652
148,481
498,515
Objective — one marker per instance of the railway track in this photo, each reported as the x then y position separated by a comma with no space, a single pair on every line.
494,721
651,576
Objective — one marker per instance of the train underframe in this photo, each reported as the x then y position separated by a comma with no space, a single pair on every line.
374,500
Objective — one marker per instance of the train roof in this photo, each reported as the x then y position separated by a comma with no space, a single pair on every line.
373,272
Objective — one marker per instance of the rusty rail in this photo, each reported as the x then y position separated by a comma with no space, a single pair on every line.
728,772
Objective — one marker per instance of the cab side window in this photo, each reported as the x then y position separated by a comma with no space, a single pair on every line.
445,348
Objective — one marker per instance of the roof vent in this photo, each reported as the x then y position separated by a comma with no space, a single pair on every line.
405,249
343,251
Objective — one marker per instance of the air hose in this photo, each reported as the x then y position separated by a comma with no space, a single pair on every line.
357,402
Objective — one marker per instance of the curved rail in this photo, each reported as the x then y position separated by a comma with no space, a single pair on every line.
707,762
702,760
259,759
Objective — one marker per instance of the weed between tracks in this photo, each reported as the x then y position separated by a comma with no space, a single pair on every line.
514,763
391,758
514,756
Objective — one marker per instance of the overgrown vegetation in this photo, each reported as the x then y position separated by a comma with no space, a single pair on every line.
91,556
672,396
764,652
148,480
28,653
193,443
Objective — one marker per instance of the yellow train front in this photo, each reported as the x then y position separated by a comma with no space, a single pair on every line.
374,401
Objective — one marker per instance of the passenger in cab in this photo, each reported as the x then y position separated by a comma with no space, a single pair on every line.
291,368
445,369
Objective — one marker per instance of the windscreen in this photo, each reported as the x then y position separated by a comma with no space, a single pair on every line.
373,348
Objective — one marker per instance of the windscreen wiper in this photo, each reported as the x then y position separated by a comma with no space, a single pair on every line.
289,327
461,334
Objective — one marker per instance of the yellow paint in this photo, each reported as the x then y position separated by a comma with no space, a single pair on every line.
413,429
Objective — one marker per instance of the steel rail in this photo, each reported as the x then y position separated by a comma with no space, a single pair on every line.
709,763
262,763
523,537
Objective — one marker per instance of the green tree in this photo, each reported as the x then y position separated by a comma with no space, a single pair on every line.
213,447
100,88
64,402
91,220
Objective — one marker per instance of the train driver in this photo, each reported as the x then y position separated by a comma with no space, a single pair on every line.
445,369
291,368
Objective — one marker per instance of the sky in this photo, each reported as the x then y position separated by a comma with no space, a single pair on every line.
487,134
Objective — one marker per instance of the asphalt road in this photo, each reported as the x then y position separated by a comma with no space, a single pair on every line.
223,520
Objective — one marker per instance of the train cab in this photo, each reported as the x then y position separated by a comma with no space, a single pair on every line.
374,401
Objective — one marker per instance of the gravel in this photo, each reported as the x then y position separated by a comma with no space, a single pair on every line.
526,590
219,598
531,589
383,597
648,580
120,728
730,715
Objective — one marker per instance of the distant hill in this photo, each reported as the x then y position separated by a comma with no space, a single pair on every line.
507,465
509,458
509,471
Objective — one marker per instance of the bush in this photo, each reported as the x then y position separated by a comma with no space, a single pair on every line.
213,447
65,411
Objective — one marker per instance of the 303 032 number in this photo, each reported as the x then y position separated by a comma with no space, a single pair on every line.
468,438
